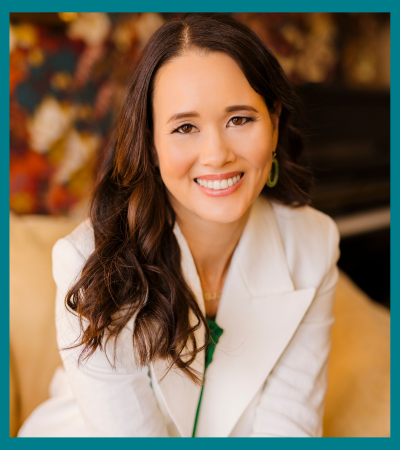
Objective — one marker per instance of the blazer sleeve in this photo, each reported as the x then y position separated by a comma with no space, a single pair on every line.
293,397
113,403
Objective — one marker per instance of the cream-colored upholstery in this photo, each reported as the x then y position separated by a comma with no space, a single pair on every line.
33,347
359,386
358,397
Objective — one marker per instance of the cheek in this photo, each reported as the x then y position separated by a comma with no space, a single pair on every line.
175,159
257,148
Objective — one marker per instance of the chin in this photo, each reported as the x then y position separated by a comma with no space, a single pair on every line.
220,214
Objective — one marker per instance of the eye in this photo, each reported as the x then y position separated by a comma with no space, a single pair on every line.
186,129
240,120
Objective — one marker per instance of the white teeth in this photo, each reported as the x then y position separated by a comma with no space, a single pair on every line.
218,184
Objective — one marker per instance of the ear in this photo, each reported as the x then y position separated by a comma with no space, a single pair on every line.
155,156
276,114
275,123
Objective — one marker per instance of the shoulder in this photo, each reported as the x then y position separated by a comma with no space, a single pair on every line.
311,242
81,238
305,221
71,252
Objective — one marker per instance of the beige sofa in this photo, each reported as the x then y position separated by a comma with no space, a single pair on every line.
358,398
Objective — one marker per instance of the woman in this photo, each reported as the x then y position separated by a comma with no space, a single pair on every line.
200,247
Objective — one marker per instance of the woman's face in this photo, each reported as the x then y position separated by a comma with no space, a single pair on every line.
213,135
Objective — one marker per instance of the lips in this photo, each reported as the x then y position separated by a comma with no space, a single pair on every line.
220,176
223,186
222,182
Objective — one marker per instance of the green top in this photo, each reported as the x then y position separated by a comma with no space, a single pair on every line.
215,332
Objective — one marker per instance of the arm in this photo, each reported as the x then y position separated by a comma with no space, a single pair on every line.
292,401
113,403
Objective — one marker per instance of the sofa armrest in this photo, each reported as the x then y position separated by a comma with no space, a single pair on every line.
358,397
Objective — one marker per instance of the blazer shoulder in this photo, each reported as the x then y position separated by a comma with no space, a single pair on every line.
82,238
311,240
306,219
70,253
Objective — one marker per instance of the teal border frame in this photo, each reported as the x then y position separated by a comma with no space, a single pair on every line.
205,6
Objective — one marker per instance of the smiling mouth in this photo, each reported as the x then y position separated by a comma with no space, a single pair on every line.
218,185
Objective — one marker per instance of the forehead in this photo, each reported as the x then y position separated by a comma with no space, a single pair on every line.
201,82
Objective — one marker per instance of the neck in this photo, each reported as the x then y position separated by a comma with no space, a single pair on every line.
212,245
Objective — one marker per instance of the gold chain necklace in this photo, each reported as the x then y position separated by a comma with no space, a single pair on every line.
211,296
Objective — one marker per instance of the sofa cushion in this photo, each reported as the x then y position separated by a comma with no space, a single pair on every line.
33,349
358,397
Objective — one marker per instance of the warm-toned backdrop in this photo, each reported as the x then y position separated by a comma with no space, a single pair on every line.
68,70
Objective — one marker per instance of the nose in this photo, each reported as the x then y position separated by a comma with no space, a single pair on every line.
215,150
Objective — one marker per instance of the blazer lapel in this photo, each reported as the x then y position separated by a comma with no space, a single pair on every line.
180,394
259,311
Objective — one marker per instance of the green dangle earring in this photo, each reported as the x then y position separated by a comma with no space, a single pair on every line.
274,174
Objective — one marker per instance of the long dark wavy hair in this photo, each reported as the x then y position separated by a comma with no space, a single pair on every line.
135,269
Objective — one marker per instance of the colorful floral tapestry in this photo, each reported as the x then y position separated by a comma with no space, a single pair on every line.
67,82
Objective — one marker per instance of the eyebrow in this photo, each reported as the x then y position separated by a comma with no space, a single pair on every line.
189,114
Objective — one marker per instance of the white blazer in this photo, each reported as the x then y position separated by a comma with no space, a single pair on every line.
268,376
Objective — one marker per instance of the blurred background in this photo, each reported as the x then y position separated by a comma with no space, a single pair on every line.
67,78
